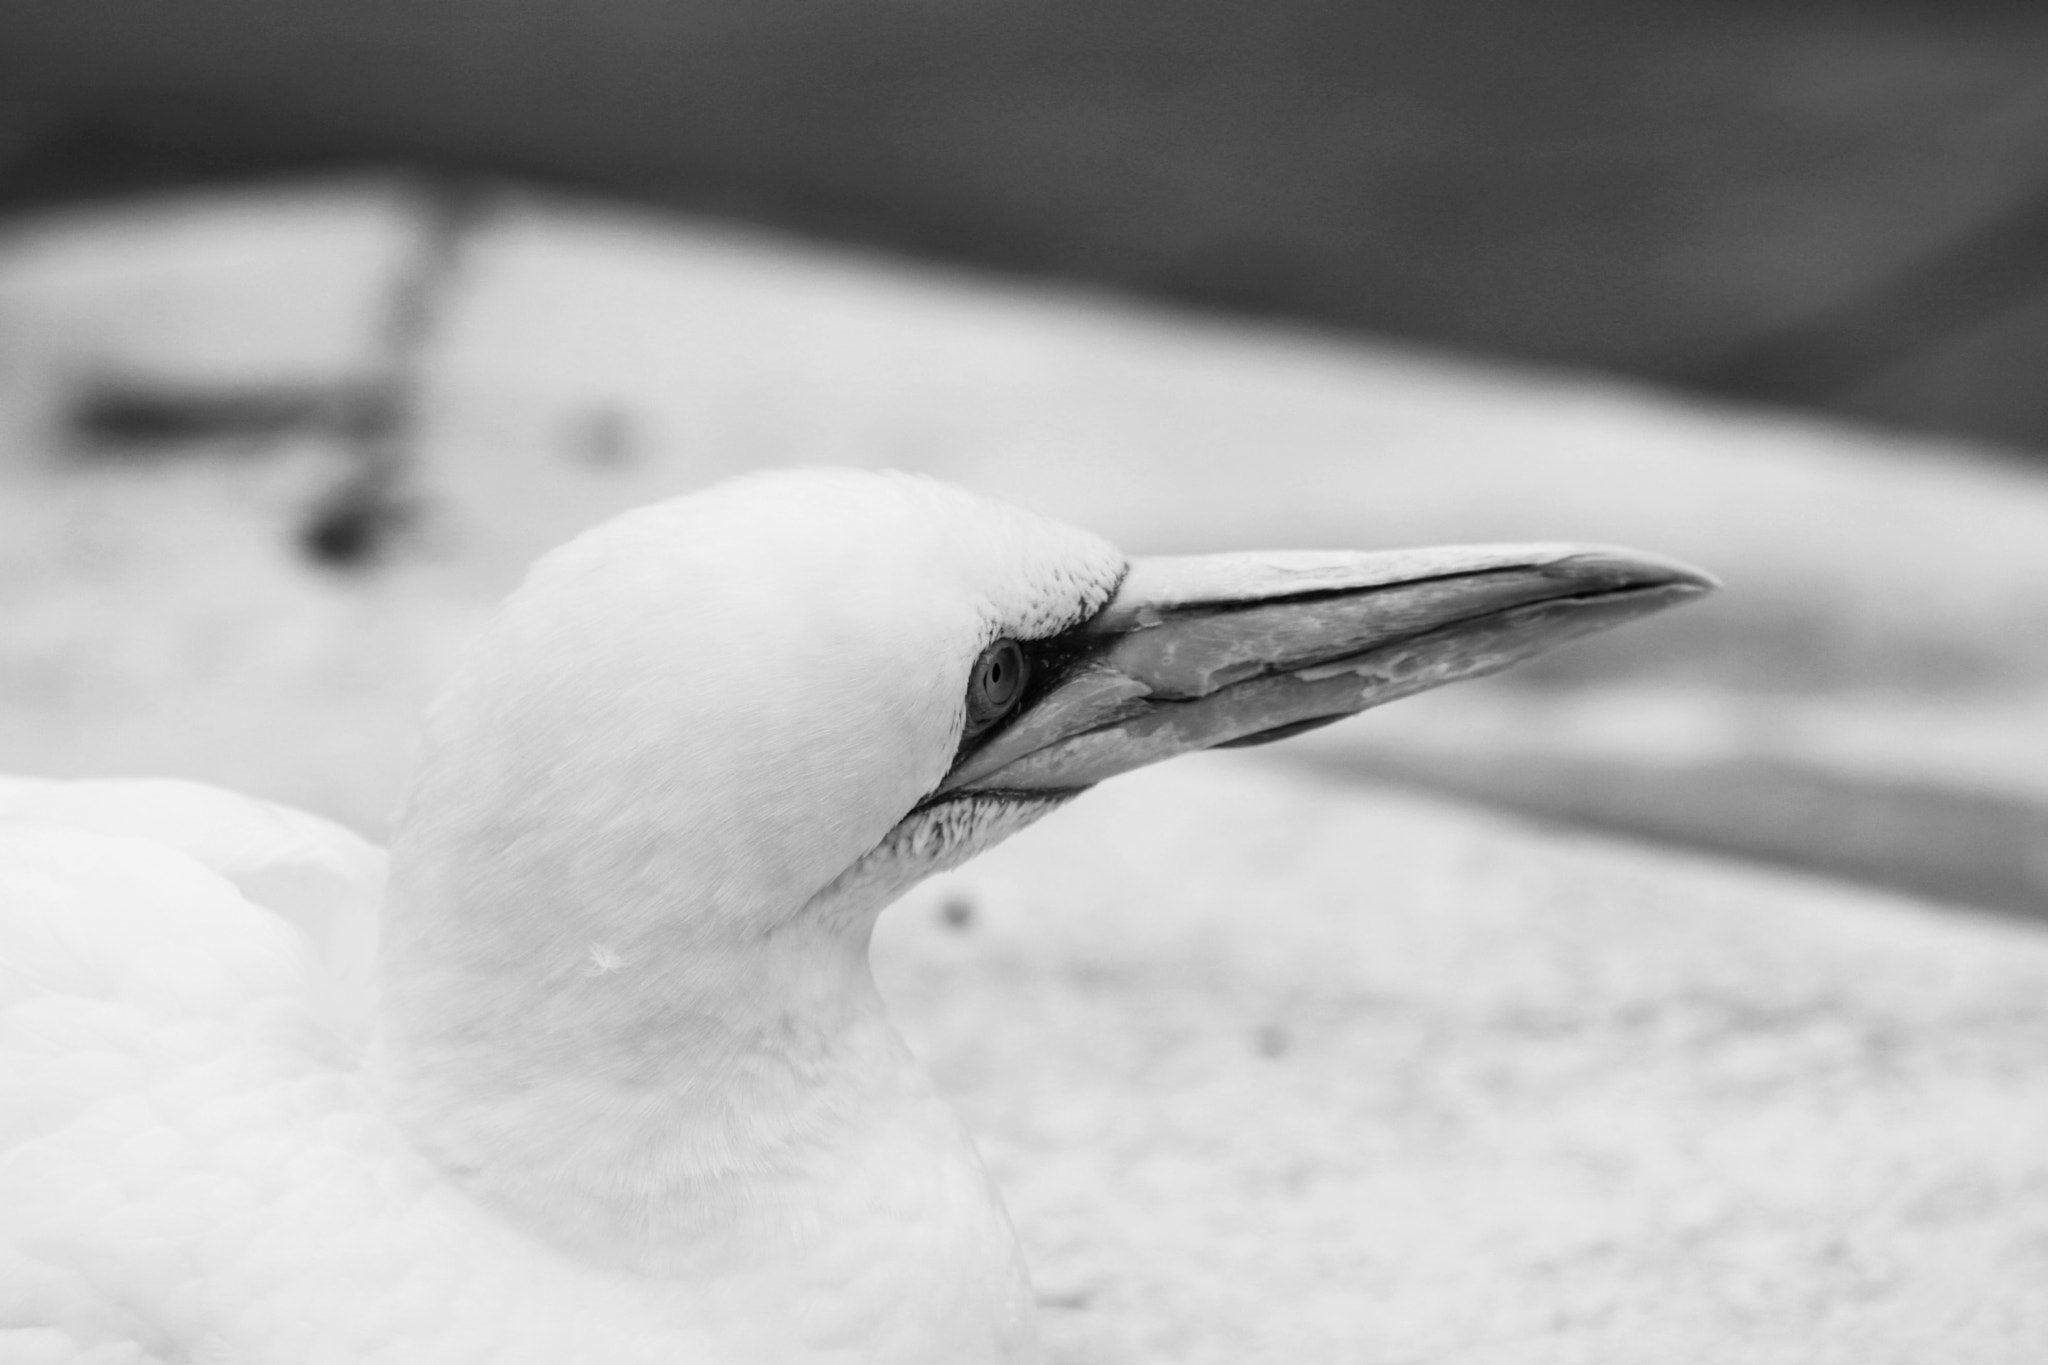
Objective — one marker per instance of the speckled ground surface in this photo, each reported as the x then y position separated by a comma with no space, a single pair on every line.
1281,1071
1274,1067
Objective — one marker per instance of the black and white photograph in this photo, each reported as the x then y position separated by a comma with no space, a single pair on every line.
1023,682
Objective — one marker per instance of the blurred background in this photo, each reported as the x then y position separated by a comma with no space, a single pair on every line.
1837,203
318,321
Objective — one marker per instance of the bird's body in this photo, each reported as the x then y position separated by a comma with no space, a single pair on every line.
620,1087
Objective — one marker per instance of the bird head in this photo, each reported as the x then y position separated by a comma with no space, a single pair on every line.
799,692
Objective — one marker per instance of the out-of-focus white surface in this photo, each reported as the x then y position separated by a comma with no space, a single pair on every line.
279,289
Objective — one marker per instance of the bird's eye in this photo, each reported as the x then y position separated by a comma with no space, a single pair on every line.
996,683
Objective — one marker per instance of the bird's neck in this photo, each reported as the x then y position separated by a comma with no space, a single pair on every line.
652,1088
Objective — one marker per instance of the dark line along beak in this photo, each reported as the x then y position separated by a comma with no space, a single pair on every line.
1205,651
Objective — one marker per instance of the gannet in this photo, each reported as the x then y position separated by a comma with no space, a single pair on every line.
596,1071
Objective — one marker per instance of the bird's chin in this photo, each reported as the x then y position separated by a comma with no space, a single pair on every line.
937,836
948,830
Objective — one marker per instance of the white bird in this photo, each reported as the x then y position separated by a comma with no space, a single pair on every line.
601,1075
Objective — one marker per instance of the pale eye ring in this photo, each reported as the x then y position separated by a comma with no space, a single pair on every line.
996,684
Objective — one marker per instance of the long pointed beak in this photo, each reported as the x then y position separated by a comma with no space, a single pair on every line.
1208,651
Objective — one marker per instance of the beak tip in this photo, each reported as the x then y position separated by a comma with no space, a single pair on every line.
1619,570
